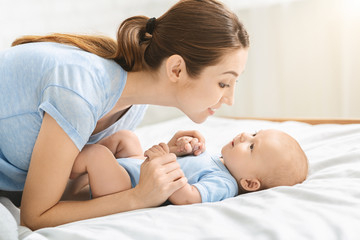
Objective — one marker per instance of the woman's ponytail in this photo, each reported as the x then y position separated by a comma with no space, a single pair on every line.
128,51
132,40
100,45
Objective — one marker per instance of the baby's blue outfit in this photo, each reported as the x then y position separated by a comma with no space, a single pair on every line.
206,172
75,87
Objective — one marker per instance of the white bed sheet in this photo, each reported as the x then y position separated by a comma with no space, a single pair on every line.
325,206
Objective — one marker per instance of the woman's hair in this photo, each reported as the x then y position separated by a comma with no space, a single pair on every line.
200,31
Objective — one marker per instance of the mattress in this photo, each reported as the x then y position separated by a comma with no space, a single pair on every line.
325,206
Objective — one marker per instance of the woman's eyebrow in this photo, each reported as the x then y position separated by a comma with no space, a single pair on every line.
231,72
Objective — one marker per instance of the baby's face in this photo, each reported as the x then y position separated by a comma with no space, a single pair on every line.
249,154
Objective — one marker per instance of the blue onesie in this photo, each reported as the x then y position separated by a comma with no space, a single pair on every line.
206,172
75,87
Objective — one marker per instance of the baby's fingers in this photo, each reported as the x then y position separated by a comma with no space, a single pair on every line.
194,144
182,141
200,149
187,148
156,150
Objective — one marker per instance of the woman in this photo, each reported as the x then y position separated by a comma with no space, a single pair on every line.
60,92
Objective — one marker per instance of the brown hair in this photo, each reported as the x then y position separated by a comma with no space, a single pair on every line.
200,31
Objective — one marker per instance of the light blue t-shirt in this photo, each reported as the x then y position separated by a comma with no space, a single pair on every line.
75,87
206,172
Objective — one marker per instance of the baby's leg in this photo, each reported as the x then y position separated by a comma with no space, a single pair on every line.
124,144
106,175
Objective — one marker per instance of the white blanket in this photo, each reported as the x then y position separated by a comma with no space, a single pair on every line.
325,206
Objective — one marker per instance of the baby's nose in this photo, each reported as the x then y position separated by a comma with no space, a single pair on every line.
244,136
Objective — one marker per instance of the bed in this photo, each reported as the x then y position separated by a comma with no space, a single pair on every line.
325,206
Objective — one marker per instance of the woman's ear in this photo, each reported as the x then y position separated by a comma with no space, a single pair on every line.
250,185
175,67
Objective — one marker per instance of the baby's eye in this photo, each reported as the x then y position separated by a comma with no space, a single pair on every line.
251,146
223,85
254,134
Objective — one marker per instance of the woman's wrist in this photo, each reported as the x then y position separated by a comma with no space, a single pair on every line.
134,199
137,200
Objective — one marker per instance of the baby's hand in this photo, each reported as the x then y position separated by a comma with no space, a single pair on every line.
187,142
157,151
186,145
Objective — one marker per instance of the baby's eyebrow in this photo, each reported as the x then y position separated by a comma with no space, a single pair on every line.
257,144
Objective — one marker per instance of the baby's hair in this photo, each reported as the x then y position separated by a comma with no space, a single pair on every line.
293,170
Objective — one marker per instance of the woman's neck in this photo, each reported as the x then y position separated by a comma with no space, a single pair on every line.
146,87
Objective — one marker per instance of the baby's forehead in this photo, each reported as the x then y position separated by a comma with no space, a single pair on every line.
276,134
275,140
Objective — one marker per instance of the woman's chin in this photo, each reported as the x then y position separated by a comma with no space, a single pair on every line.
198,119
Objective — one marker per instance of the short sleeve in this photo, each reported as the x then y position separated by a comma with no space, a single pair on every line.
72,97
216,186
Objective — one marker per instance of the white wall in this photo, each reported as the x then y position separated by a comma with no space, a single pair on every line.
304,59
23,17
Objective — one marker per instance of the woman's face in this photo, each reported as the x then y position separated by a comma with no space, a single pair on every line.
199,98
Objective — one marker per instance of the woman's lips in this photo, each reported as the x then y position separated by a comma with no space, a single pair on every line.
211,110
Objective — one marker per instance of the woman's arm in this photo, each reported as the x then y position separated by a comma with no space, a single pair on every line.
51,162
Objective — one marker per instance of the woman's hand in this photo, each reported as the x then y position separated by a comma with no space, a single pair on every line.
187,142
160,176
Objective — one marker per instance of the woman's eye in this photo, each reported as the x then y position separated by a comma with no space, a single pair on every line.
254,134
223,85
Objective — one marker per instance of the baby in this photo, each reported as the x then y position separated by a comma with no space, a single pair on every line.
249,162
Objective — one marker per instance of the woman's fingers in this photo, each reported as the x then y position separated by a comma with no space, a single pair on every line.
175,175
159,178
171,166
177,184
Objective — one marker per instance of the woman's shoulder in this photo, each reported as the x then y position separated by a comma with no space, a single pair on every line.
51,54
73,68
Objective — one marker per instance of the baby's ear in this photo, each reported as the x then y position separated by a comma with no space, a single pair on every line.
250,185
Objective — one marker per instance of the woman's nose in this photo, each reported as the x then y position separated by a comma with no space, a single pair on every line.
228,101
228,97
